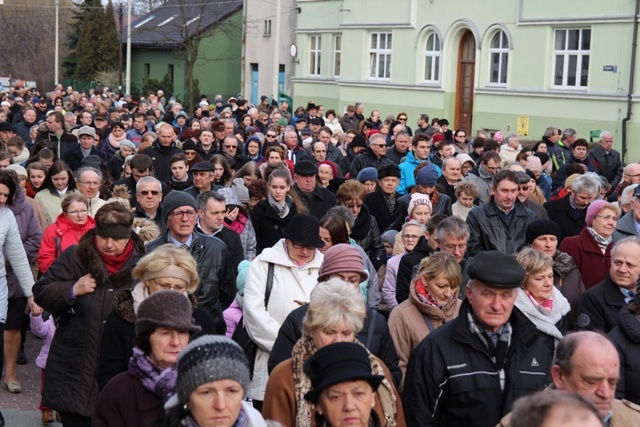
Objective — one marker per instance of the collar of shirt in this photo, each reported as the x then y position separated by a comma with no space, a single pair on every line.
178,244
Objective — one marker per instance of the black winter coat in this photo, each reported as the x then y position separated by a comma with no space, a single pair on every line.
73,156
366,159
626,338
214,269
489,231
367,235
319,201
378,208
452,381
599,307
571,221
268,225
379,343
607,165
161,156
71,383
120,332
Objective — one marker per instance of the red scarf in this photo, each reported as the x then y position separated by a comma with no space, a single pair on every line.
237,225
424,295
115,262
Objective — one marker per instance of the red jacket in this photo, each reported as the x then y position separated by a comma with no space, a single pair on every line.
591,262
58,237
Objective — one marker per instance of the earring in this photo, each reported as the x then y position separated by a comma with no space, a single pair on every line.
186,407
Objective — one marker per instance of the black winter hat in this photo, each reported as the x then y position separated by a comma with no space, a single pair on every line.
336,363
542,227
176,199
304,230
358,141
305,168
496,269
388,170
189,145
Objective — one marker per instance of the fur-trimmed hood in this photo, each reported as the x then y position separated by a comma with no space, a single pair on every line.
562,263
88,255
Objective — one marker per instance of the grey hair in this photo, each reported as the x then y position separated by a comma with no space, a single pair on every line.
146,179
630,240
568,132
415,223
375,137
403,133
627,194
332,302
452,226
450,159
550,131
603,134
588,183
510,137
343,213
82,170
204,197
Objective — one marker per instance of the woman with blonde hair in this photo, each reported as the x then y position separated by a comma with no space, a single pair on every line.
433,300
166,268
285,395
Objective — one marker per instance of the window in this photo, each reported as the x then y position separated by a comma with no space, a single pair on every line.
499,53
314,55
380,56
267,28
432,59
166,21
337,55
571,58
144,21
191,21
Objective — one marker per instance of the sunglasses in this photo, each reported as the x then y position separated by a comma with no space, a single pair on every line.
147,192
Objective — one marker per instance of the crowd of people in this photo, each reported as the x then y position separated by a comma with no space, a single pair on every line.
250,265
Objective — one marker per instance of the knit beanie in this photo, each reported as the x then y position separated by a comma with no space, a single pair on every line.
418,199
368,174
282,121
544,157
542,227
189,145
593,210
241,278
534,163
167,309
358,141
498,136
342,258
206,359
176,199
389,236
428,175
127,143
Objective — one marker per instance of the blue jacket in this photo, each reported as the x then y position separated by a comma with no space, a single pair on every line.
406,170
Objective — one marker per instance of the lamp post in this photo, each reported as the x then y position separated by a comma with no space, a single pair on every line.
128,72
57,42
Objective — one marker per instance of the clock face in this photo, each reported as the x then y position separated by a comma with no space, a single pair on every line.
293,50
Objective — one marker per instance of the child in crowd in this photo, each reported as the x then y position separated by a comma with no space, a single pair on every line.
44,329
180,179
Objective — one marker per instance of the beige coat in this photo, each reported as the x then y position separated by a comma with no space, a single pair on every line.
408,327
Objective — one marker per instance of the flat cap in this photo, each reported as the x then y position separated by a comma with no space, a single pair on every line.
496,269
203,167
305,168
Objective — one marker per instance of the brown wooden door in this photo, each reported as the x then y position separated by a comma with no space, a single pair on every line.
464,89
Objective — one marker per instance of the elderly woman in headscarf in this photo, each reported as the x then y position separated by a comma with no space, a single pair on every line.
136,397
336,314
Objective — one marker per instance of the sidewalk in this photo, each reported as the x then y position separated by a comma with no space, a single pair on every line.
21,410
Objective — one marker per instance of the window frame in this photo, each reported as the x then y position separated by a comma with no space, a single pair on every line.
502,52
337,56
315,55
566,55
435,55
377,52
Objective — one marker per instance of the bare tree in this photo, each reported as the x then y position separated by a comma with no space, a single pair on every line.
27,31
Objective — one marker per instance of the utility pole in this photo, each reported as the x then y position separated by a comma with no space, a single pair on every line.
120,13
57,42
128,74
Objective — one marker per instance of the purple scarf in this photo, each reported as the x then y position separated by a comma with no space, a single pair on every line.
160,382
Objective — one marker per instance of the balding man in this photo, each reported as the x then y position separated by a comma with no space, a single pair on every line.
161,152
587,364
606,159
631,173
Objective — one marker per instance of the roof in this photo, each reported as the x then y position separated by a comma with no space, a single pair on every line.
176,20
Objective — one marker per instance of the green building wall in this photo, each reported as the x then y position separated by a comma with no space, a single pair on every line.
529,26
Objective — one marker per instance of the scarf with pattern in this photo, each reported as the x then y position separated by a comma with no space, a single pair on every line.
160,382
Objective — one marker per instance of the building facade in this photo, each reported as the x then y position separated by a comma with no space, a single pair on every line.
510,65
260,44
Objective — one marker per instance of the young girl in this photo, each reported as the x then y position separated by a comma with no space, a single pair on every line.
44,329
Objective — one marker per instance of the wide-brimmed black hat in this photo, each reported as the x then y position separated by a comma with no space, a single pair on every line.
336,363
304,230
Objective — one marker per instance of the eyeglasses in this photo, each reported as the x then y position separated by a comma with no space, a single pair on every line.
299,246
78,213
89,183
269,135
402,119
378,145
181,214
451,248
354,205
169,287
461,136
230,146
410,236
608,217
147,192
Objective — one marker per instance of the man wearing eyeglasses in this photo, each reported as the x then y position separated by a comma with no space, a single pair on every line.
89,181
231,150
149,196
214,269
374,156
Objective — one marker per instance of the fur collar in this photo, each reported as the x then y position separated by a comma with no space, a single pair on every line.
89,257
563,263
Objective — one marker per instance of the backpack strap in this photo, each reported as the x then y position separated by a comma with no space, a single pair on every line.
428,322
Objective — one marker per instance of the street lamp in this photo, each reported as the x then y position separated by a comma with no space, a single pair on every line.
128,72
57,42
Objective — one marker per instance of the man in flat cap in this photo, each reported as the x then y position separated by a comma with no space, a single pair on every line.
203,178
317,198
469,371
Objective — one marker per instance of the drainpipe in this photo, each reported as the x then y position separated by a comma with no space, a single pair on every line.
632,72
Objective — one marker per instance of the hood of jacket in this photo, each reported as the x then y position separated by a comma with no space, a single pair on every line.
19,200
563,263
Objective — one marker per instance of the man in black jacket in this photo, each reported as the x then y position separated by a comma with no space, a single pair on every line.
599,307
318,199
469,371
162,150
216,278
607,160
